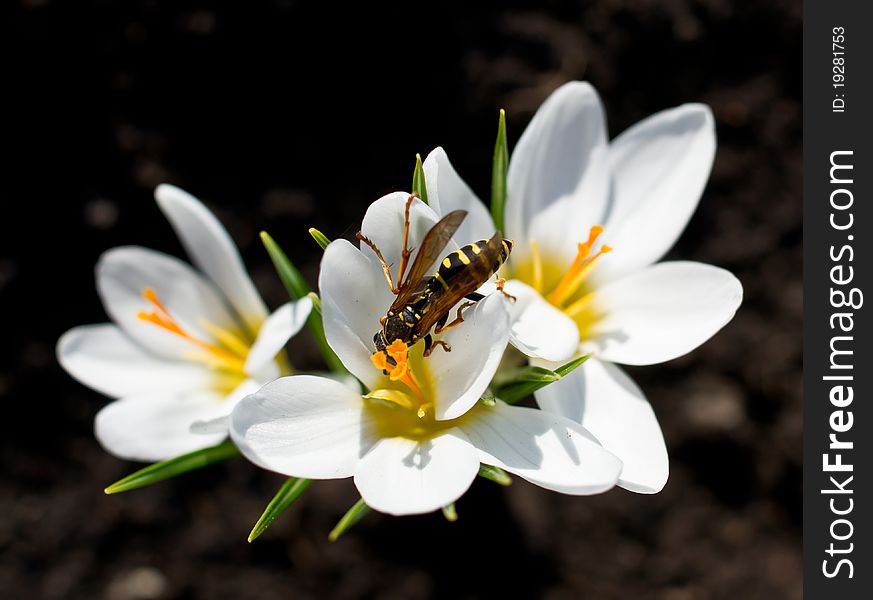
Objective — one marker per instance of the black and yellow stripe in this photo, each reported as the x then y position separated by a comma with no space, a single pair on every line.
463,257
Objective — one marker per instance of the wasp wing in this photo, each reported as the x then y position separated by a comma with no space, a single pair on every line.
430,250
464,281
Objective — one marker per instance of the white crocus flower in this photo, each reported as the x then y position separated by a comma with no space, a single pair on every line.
573,197
415,442
185,345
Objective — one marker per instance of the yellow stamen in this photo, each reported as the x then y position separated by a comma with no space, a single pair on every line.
537,265
226,338
575,309
391,398
579,270
213,355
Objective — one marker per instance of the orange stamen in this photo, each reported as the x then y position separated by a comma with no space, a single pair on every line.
163,319
400,371
579,269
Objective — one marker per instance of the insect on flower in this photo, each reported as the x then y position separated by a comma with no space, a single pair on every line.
424,302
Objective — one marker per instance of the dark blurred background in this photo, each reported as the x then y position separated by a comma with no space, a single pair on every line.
284,115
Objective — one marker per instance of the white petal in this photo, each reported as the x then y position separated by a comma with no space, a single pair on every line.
211,249
659,167
664,311
353,297
461,376
124,273
279,327
399,476
446,191
609,404
539,329
222,423
217,425
157,426
105,359
554,154
303,426
559,227
546,449
383,224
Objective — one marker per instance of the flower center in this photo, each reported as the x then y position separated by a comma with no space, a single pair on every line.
567,289
402,405
226,353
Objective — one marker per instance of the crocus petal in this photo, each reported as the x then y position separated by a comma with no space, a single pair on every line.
222,423
217,425
539,329
279,327
124,273
208,244
383,225
609,404
352,300
461,376
105,359
664,311
156,426
303,426
553,157
546,449
659,167
446,191
400,476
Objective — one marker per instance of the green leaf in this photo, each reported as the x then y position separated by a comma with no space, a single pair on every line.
355,514
488,398
298,288
174,466
285,497
288,273
321,239
567,368
495,474
450,513
418,185
316,301
498,173
523,382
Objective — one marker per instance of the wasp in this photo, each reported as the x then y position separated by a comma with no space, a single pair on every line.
424,301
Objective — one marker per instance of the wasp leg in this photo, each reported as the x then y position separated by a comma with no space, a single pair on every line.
474,296
386,268
406,253
500,283
459,318
430,345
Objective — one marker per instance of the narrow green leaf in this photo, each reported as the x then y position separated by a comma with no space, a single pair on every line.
565,369
488,398
528,380
418,185
316,301
355,514
285,497
525,374
174,466
499,170
495,474
321,239
450,513
288,273
298,288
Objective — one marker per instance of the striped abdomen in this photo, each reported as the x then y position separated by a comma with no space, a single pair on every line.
474,262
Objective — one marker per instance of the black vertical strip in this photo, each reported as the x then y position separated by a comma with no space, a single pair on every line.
838,361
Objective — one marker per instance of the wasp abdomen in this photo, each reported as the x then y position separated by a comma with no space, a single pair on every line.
472,257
